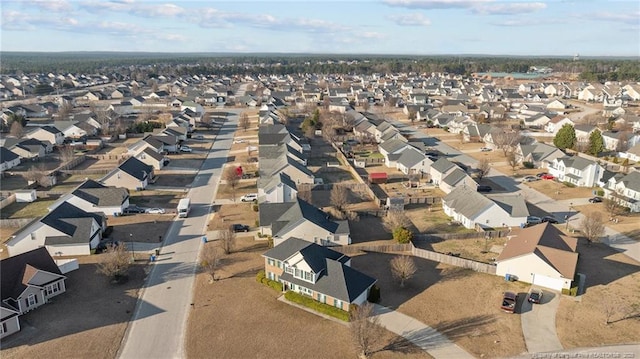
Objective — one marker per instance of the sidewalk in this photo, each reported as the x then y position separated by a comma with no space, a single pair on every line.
425,337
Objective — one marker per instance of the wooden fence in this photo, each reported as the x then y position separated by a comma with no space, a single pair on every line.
383,248
15,222
444,236
366,189
421,200
10,198
454,261
95,171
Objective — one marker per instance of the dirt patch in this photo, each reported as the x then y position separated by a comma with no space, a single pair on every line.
140,227
613,286
226,192
254,323
174,180
235,213
87,321
558,191
477,249
460,303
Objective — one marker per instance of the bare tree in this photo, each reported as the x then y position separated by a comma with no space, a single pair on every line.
231,177
506,140
66,153
227,238
339,197
16,129
512,160
592,226
65,110
395,219
244,121
209,262
115,262
612,207
365,330
305,194
484,166
402,268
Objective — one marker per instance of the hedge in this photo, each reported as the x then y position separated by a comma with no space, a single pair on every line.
572,292
317,306
528,165
261,278
568,184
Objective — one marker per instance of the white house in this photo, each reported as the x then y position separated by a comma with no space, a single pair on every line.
555,124
580,171
541,255
92,196
625,189
277,189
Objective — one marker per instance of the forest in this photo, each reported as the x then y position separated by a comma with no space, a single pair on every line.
153,64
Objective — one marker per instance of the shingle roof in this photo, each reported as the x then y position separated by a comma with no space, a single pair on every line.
454,177
576,162
513,204
411,157
6,155
18,270
467,201
136,168
101,195
442,165
546,242
65,218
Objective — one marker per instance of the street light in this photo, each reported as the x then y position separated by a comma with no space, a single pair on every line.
133,252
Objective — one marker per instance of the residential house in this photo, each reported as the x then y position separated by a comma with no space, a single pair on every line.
541,255
555,124
318,272
583,132
47,133
540,154
391,150
152,158
148,141
537,121
476,211
302,220
456,178
92,196
8,159
29,149
440,168
132,174
27,281
625,189
277,189
579,171
633,154
66,231
412,161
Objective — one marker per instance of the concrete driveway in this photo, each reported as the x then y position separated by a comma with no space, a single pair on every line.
539,323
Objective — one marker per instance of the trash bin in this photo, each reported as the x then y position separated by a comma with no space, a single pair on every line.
157,252
507,277
204,239
153,258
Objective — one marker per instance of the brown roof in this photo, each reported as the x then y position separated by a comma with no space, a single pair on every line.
548,243
557,119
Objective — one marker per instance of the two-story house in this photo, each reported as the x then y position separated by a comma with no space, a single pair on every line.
47,133
579,171
539,154
625,190
131,174
318,272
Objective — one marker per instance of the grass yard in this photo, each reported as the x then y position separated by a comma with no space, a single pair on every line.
235,213
226,192
150,198
613,285
241,318
140,227
628,224
432,220
558,191
477,249
69,183
460,303
87,321
34,209
174,180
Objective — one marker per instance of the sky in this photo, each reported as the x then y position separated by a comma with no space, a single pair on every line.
390,27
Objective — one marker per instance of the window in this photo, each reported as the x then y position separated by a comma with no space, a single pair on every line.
322,298
53,288
288,269
279,264
297,274
270,261
307,276
3,328
31,300
337,303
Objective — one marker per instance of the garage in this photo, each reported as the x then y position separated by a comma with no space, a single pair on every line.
548,282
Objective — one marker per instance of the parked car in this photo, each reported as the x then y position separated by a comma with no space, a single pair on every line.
595,199
239,141
531,220
250,197
539,175
484,189
133,209
535,296
155,210
547,176
530,179
186,149
485,149
509,301
550,219
199,137
240,227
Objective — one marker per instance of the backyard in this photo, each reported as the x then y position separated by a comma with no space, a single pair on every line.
142,227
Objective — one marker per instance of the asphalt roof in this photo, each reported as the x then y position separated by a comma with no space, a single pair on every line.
18,270
136,168
467,201
101,195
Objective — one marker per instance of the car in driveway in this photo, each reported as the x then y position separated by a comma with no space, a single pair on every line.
155,210
539,175
595,199
240,227
484,189
249,197
509,300
532,220
535,296
186,149
133,210
530,179
485,149
547,176
550,219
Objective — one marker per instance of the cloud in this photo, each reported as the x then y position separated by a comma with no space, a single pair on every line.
216,18
148,10
162,10
484,7
410,20
50,5
631,18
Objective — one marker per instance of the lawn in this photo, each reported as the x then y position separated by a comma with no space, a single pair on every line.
557,190
140,227
226,192
73,181
235,213
34,209
430,220
87,321
477,249
241,318
150,198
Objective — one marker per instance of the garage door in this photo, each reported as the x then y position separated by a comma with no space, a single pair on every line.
548,282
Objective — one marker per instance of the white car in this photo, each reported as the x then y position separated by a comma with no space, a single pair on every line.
155,211
485,149
238,141
249,197
186,149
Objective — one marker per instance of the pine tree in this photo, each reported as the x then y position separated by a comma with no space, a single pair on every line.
565,138
596,143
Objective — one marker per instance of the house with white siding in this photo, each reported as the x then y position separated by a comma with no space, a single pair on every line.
579,171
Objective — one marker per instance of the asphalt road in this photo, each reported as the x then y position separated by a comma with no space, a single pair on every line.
158,325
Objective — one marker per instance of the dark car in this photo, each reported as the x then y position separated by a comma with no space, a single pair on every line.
539,175
509,301
595,200
240,227
550,219
484,189
133,210
535,296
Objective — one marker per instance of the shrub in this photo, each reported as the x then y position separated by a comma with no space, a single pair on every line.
574,291
374,294
270,241
446,128
402,235
255,209
605,158
600,192
317,306
616,160
568,184
528,165
260,276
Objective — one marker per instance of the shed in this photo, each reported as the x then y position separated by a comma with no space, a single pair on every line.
395,203
26,196
378,177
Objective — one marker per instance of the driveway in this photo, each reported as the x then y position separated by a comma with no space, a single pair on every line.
159,322
418,333
539,323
